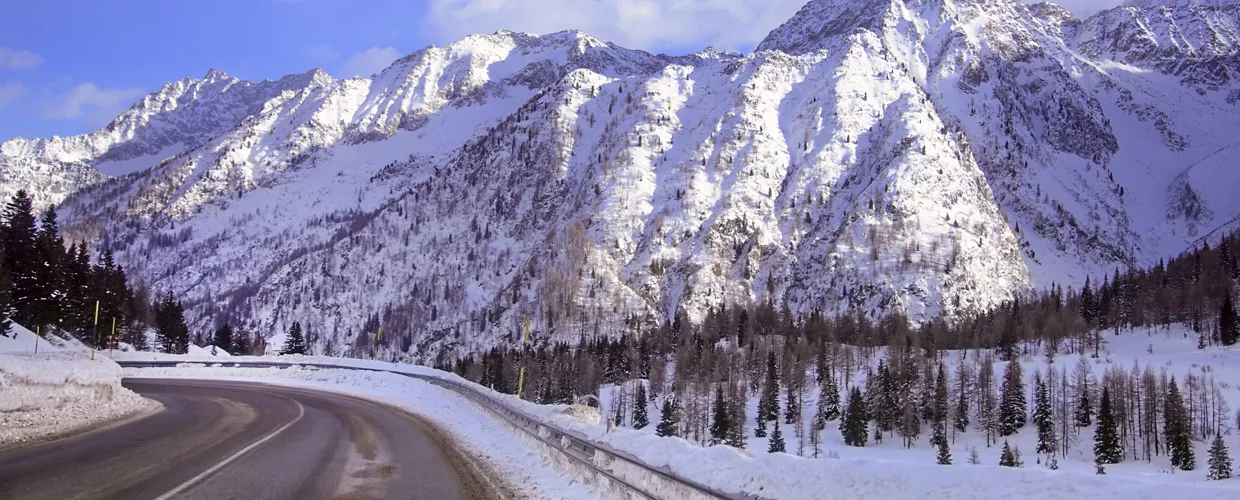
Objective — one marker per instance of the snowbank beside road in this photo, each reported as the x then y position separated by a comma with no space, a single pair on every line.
522,468
57,391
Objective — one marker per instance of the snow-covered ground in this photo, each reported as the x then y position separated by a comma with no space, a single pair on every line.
58,390
884,470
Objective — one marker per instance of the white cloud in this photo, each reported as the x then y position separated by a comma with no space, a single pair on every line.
11,91
675,26
90,103
18,59
369,61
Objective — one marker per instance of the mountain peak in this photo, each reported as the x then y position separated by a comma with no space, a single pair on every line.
215,74
821,20
1182,3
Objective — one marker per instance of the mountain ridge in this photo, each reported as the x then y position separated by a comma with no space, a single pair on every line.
933,158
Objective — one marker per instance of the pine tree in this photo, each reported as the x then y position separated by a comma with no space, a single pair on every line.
1107,447
939,413
792,406
1012,405
670,418
944,455
1177,429
170,330
1220,461
17,237
974,458
736,438
1006,457
294,341
1043,417
828,402
776,444
240,344
1228,327
223,337
854,426
48,295
768,405
640,417
6,298
721,422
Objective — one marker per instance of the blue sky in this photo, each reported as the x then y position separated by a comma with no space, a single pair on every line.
68,67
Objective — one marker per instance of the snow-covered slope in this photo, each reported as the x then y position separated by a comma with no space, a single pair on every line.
932,157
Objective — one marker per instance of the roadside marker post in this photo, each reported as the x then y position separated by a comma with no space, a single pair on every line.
525,343
93,347
36,339
112,339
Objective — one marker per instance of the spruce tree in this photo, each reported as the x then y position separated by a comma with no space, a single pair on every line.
48,295
944,455
768,405
6,298
1012,404
670,418
294,341
1177,429
939,414
1107,447
170,330
1006,457
854,425
792,406
776,444
17,237
1220,461
640,416
721,422
1228,327
223,337
828,402
736,438
961,420
1043,417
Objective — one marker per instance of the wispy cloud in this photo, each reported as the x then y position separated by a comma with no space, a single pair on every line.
18,59
97,106
369,61
11,91
322,54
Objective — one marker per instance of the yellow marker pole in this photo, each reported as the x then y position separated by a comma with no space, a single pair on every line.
374,353
112,339
93,347
525,342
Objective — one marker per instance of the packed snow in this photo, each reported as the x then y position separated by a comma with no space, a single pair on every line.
58,390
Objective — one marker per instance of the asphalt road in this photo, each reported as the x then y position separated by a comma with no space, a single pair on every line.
233,440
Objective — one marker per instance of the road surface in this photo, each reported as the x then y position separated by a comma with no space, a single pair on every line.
235,440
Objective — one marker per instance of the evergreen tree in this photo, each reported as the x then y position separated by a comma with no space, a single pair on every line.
759,430
776,444
1006,457
768,404
944,455
721,422
170,330
1177,429
294,341
736,438
1220,461
792,406
1012,405
670,418
1043,417
1107,447
223,337
640,416
240,344
961,420
1228,327
855,425
17,237
48,294
6,298
828,402
939,414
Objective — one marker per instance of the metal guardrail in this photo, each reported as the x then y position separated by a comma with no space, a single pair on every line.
571,444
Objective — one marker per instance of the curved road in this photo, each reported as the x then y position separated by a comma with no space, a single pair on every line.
220,440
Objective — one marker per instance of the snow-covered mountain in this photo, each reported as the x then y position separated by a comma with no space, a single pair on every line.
932,157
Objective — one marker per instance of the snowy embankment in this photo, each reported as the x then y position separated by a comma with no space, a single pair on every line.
522,469
58,390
